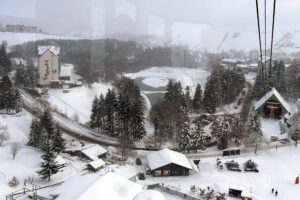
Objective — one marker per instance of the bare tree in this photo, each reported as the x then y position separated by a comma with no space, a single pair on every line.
15,147
4,135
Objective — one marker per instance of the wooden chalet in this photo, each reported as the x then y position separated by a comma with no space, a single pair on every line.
95,165
272,105
168,163
90,152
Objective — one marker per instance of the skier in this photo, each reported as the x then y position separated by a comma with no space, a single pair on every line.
272,190
276,193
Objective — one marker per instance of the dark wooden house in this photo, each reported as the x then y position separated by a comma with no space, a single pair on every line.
168,163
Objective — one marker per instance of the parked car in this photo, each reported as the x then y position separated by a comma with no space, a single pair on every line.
141,176
148,172
285,141
138,161
274,139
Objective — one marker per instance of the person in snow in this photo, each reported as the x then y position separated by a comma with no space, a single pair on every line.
272,190
276,193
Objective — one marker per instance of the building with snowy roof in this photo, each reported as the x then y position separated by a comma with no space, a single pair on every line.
95,165
49,65
272,105
168,163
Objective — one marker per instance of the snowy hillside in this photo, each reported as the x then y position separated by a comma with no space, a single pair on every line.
19,38
77,101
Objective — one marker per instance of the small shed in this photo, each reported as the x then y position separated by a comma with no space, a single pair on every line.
235,191
168,163
95,165
89,151
246,195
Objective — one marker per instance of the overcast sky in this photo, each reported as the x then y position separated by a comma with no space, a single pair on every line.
185,17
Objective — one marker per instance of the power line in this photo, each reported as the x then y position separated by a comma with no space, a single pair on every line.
259,37
273,24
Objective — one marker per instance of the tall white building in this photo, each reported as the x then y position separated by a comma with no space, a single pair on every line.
49,65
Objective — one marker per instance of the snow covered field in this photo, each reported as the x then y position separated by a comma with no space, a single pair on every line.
77,101
158,76
19,38
278,169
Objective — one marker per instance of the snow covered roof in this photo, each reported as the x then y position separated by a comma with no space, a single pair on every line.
265,98
60,160
93,151
66,70
232,60
111,187
166,156
246,194
150,195
43,48
2,124
97,163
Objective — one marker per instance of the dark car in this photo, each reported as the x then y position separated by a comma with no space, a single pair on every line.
138,161
141,176
148,172
285,141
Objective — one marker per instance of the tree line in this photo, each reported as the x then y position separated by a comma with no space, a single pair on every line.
109,57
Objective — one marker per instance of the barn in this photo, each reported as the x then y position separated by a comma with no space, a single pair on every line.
272,105
168,163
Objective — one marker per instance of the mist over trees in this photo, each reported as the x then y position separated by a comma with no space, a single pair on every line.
107,57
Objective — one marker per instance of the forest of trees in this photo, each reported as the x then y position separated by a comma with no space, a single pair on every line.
46,136
222,87
121,112
278,79
107,57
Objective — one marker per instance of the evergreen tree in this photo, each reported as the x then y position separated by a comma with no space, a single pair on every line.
110,107
49,165
223,134
198,138
58,141
185,138
5,63
34,135
188,99
197,100
137,127
47,123
8,94
254,130
94,114
212,93
43,139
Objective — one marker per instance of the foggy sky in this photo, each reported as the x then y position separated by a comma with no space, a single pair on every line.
188,17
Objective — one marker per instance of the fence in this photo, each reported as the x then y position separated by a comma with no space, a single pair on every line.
176,193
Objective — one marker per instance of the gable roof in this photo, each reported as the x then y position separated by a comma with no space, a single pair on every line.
43,48
111,187
93,151
166,156
96,163
267,96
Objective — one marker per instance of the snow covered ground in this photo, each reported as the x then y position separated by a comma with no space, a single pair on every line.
77,101
18,126
157,77
278,169
19,38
